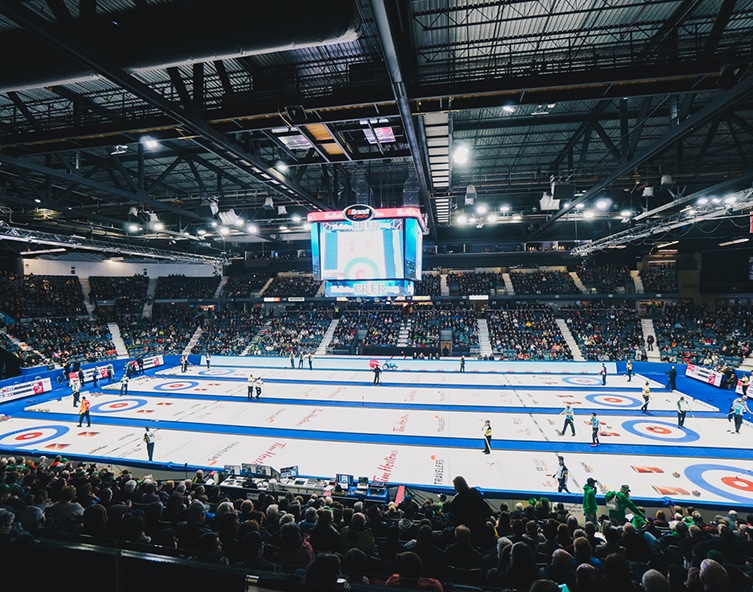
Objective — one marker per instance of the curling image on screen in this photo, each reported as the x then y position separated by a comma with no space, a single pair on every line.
362,250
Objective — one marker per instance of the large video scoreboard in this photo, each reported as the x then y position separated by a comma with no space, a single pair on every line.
362,251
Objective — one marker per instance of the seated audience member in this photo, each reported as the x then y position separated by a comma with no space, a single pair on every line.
410,574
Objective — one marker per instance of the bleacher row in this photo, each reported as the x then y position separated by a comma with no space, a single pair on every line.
60,330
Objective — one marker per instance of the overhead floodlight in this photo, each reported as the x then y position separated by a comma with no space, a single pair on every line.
509,108
482,209
461,155
504,209
626,213
149,143
603,204
491,218
665,245
282,167
588,214
252,229
296,219
462,219
133,211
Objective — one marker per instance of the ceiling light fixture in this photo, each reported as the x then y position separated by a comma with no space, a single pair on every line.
734,242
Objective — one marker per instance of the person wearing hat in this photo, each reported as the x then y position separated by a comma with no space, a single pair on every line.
603,373
589,500
619,503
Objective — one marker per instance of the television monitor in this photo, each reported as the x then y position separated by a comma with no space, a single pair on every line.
232,470
363,483
343,480
248,469
289,472
361,243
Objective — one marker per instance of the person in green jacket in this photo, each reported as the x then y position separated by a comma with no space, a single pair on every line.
624,503
589,500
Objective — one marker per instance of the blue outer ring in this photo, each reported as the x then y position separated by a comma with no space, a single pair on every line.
695,474
217,372
690,435
102,407
165,387
633,402
572,379
59,431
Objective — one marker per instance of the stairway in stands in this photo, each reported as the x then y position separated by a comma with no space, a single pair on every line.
193,341
508,284
647,326
151,290
636,275
570,340
117,339
404,335
324,343
87,290
484,343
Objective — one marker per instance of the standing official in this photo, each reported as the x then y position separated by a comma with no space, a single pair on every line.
258,383
672,378
487,431
462,363
603,373
124,385
377,374
83,412
629,370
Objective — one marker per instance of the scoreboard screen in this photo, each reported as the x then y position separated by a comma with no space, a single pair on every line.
362,244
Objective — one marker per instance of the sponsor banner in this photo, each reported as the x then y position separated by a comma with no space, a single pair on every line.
25,389
704,374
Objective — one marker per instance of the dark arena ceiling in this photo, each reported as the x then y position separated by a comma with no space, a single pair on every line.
205,128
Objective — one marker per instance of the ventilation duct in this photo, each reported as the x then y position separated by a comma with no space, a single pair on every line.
177,33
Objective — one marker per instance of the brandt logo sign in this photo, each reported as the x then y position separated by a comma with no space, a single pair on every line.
358,213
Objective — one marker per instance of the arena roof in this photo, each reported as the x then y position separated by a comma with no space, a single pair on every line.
622,123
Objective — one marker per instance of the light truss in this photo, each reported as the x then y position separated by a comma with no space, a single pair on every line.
737,202
13,233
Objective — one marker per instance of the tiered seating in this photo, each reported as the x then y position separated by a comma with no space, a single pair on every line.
526,334
605,333
463,323
606,279
128,293
660,278
230,330
298,330
181,287
467,283
430,285
293,285
691,333
167,332
245,286
424,328
31,296
66,341
381,328
542,282
29,358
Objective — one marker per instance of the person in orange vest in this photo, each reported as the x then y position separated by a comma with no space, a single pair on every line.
83,412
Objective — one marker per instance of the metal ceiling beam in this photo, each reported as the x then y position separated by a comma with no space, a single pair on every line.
211,139
712,110
83,181
400,92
